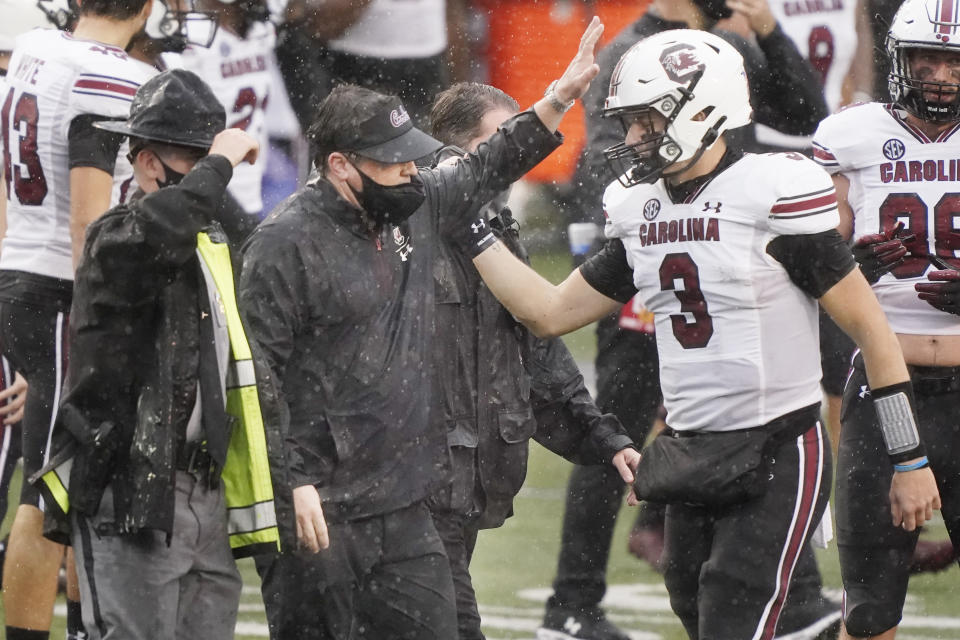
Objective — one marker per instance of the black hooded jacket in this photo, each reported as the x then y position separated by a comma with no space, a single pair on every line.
346,317
497,386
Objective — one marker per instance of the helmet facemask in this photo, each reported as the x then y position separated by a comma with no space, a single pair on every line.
645,162
929,100
173,29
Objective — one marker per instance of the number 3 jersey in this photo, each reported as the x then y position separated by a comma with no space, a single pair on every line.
898,174
738,341
53,79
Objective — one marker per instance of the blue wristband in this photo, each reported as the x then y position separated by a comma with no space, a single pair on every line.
919,464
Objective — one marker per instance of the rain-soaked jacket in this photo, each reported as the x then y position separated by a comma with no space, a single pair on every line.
498,385
346,317
141,299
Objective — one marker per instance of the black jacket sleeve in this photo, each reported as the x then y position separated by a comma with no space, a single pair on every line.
460,188
130,247
272,282
568,421
784,91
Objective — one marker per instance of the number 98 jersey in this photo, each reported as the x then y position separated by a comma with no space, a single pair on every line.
738,341
898,174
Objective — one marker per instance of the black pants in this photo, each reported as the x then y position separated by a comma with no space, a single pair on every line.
628,385
874,555
381,577
459,535
34,340
729,569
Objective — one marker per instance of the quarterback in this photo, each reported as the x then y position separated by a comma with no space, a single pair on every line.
731,252
894,167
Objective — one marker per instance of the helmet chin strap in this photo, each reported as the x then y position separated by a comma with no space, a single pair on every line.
705,142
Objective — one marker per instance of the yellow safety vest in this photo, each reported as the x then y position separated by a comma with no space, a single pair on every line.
251,511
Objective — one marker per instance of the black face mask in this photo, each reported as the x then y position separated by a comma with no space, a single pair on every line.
171,177
389,205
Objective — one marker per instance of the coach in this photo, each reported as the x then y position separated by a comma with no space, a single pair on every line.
338,286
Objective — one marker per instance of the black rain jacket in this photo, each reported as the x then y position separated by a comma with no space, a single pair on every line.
498,386
134,348
345,314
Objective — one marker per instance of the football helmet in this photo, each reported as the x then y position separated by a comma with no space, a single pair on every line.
695,80
174,29
924,24
20,16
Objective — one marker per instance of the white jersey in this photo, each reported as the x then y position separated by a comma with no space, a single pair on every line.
394,29
53,78
738,341
898,174
825,32
238,71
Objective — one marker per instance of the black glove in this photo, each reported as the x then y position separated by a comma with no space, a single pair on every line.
943,292
879,253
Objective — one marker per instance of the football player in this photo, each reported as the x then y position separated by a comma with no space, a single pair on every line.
58,175
238,67
20,16
731,252
896,172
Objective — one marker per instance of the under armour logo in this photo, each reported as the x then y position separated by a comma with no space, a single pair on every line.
864,391
714,207
572,626
478,226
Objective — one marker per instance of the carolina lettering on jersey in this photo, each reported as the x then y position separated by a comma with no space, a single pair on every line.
682,230
899,174
701,267
801,7
254,64
919,171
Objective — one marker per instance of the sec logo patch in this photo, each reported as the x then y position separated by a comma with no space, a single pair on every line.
651,209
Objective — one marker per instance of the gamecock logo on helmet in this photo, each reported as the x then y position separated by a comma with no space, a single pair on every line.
680,61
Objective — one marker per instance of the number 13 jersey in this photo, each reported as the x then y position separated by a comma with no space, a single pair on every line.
738,341
898,174
53,79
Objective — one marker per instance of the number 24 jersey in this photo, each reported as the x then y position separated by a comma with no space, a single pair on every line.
738,341
898,174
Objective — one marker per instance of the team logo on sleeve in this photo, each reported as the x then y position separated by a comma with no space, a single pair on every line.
680,61
893,149
651,209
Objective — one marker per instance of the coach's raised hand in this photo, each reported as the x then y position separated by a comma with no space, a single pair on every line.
575,80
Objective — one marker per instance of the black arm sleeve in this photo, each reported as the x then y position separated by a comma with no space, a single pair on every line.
784,91
815,262
92,147
609,273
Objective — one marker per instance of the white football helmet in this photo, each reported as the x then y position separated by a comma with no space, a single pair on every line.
174,29
20,16
695,80
924,24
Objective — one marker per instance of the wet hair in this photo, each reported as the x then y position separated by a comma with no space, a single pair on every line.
115,9
457,112
342,110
